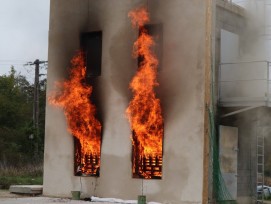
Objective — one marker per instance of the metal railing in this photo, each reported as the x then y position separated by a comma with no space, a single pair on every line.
244,83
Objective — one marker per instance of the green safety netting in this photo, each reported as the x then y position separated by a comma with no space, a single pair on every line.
220,192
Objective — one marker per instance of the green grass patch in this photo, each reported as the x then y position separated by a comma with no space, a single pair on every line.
11,180
29,170
26,175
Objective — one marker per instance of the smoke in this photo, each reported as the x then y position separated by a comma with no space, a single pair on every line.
245,81
253,43
250,84
180,36
182,60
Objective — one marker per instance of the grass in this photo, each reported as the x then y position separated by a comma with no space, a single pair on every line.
27,175
5,182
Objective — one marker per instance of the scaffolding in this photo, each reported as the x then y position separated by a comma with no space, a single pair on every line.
242,87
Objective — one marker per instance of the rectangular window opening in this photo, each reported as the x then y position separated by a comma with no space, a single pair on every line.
91,44
147,150
88,164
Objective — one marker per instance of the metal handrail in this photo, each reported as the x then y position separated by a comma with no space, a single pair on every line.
245,80
267,79
244,62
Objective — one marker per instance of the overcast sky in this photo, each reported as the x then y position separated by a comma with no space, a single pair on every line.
24,26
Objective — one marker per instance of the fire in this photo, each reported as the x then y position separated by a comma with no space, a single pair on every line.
144,111
80,114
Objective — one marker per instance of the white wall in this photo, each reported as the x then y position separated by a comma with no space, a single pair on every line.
230,47
181,91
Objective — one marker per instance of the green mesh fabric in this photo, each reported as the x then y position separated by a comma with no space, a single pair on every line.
219,191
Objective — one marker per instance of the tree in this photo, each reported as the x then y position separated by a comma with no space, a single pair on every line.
16,119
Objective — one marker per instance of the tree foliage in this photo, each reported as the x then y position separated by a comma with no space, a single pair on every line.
16,120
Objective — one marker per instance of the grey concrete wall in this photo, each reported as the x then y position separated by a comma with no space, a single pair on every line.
228,145
249,123
231,18
181,91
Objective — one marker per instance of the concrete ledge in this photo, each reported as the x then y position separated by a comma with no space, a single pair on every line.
234,8
26,189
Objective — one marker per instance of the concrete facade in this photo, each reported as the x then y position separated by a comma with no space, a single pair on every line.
233,18
181,90
229,17
250,124
228,146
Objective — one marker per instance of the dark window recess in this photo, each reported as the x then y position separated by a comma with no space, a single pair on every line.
156,31
91,44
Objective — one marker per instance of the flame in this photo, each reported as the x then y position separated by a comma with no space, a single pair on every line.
79,111
144,111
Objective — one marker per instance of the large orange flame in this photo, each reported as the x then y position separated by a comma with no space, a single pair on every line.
144,111
79,111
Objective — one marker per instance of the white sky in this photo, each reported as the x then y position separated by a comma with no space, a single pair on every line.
24,26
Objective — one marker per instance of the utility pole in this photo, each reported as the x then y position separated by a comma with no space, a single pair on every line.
37,63
36,96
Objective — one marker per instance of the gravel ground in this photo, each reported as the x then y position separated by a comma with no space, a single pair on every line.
7,194
9,198
39,200
43,200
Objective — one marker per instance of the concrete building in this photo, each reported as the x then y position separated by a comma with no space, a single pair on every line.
243,99
195,37
183,93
